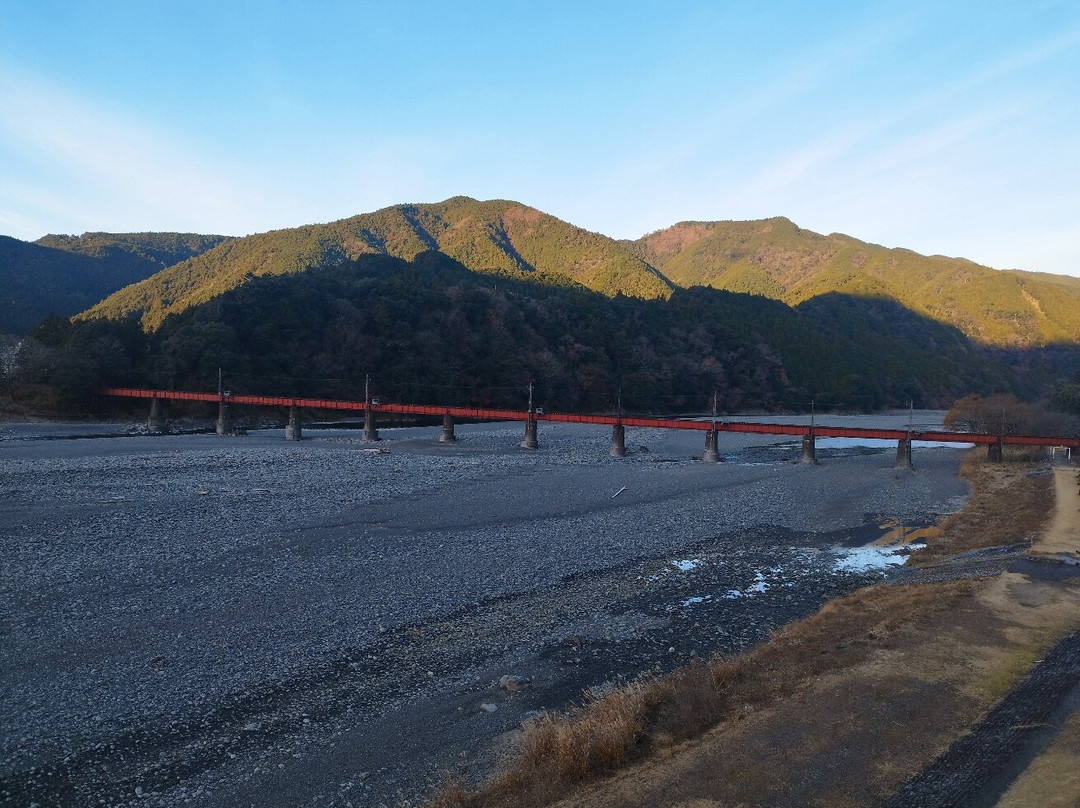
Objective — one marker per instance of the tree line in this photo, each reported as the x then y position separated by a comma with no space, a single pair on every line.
431,331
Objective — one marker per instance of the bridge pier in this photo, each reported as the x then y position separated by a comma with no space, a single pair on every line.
293,429
371,433
903,454
530,441
710,455
448,435
156,422
809,449
993,452
224,419
618,441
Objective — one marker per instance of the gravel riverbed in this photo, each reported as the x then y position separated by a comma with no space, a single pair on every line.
223,621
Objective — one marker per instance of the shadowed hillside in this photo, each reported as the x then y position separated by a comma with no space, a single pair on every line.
137,250
64,275
432,330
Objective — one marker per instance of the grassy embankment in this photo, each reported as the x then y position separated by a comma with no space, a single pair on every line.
946,651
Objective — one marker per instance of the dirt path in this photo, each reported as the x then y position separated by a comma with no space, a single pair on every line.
1063,534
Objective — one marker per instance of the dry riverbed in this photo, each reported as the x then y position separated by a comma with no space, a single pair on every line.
208,621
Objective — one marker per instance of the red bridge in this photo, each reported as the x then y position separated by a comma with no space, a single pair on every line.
618,422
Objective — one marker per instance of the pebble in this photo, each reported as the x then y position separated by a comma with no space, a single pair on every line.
512,683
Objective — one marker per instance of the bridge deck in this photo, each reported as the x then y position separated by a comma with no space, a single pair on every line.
481,414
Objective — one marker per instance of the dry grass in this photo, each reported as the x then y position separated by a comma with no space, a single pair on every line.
1006,507
607,732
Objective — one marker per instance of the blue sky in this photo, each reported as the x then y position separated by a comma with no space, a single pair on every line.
949,128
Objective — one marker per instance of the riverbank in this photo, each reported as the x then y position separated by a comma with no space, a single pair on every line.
847,707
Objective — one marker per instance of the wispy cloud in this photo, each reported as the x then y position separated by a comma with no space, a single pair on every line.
940,118
928,173
118,170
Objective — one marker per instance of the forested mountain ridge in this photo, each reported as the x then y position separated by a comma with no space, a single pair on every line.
63,275
469,296
160,250
771,257
777,259
432,330
495,237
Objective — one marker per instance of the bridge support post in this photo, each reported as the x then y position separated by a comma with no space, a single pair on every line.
448,435
618,441
224,418
530,441
994,453
710,455
156,422
903,454
293,429
809,449
371,433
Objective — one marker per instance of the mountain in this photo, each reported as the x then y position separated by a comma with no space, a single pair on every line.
63,275
495,237
466,300
777,259
138,251
772,258
433,330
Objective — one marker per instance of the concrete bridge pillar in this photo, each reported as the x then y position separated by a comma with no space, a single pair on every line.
710,455
447,435
156,422
224,418
530,441
618,441
371,433
903,454
293,429
994,453
809,449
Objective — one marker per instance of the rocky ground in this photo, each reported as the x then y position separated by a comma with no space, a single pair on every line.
218,621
